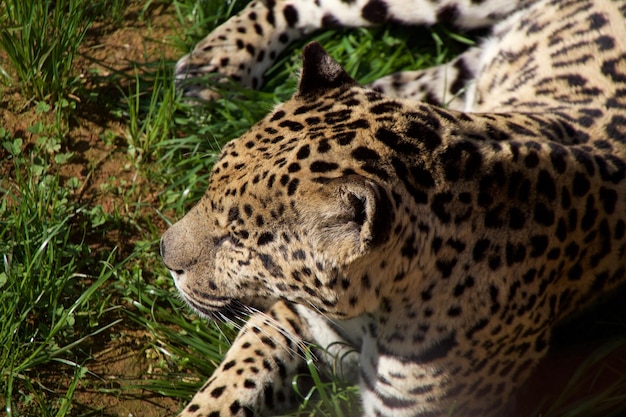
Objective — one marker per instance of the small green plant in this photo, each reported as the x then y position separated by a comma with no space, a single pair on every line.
150,112
41,39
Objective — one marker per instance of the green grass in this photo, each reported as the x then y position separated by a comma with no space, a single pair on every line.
74,272
41,39
47,306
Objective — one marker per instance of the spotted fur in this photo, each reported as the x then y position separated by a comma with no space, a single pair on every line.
437,246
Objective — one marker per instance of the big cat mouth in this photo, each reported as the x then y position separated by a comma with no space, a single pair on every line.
223,309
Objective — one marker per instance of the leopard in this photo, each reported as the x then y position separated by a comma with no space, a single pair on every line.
425,233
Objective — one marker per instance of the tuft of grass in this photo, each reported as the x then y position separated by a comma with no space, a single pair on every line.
150,111
41,39
328,396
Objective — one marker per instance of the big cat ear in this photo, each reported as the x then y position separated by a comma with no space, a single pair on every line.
320,72
348,217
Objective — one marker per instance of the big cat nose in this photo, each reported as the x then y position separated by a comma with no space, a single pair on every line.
187,246
163,252
166,253
162,248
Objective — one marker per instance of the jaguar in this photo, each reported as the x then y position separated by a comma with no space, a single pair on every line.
422,234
